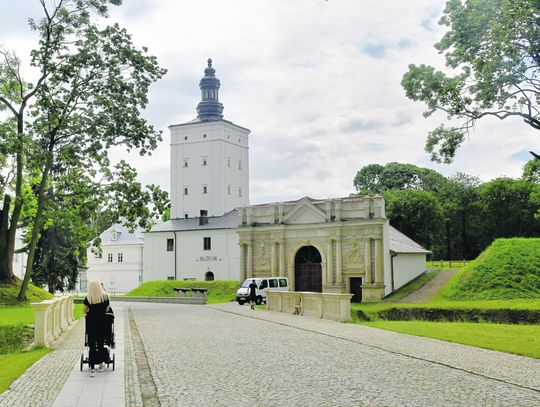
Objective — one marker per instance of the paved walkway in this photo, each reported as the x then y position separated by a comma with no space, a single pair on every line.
104,389
430,289
226,354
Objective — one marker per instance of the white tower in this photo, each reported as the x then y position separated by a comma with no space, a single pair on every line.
209,158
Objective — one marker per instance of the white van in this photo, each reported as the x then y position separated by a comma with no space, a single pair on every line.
263,284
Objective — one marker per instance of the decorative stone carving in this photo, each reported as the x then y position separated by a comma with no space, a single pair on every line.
352,251
261,254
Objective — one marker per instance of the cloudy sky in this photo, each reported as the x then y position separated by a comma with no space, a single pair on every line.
317,82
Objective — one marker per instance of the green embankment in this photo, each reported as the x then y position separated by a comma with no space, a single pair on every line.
16,331
15,316
15,364
218,290
9,292
508,269
517,339
506,276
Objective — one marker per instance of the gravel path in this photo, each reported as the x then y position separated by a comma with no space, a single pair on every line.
430,289
226,355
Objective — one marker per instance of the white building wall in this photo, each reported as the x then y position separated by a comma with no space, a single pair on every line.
407,266
220,143
158,263
387,265
117,276
192,261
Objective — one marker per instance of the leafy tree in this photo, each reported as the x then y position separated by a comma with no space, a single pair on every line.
368,179
463,223
531,171
508,209
375,178
91,88
492,48
58,260
416,213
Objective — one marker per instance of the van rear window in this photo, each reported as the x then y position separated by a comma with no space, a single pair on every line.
283,282
273,283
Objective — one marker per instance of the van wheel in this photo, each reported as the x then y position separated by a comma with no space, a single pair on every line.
259,300
241,302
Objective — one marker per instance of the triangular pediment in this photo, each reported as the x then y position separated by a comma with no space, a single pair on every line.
304,212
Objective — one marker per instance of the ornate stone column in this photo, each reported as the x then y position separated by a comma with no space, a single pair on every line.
249,260
273,263
339,272
330,263
367,262
379,260
282,272
243,274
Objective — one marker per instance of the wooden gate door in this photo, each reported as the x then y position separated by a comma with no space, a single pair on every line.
308,270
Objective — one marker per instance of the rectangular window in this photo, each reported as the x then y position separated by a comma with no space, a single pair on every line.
185,216
109,258
170,278
204,189
228,189
204,161
283,282
186,191
186,163
170,245
120,257
228,161
239,191
273,283
239,164
207,243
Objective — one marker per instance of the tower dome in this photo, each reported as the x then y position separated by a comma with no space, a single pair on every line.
209,107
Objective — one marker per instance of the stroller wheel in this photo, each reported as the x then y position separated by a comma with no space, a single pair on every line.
82,361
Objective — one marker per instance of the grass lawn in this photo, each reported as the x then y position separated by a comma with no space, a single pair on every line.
371,308
16,315
518,339
25,315
15,364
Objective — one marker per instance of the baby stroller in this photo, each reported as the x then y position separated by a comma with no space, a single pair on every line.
108,342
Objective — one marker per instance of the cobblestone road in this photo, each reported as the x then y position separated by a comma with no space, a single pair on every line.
205,356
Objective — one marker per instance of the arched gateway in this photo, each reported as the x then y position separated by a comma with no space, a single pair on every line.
308,270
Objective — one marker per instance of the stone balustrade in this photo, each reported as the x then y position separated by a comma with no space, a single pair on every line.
318,305
52,317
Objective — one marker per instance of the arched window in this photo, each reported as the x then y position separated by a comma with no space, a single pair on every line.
209,276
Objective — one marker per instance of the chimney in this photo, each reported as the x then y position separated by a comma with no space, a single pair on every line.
203,219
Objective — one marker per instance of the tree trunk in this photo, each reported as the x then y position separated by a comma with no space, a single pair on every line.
8,230
6,267
448,241
37,225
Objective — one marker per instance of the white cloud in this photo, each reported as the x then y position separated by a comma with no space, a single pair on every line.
317,82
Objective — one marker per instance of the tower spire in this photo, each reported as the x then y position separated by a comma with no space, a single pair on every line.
209,107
